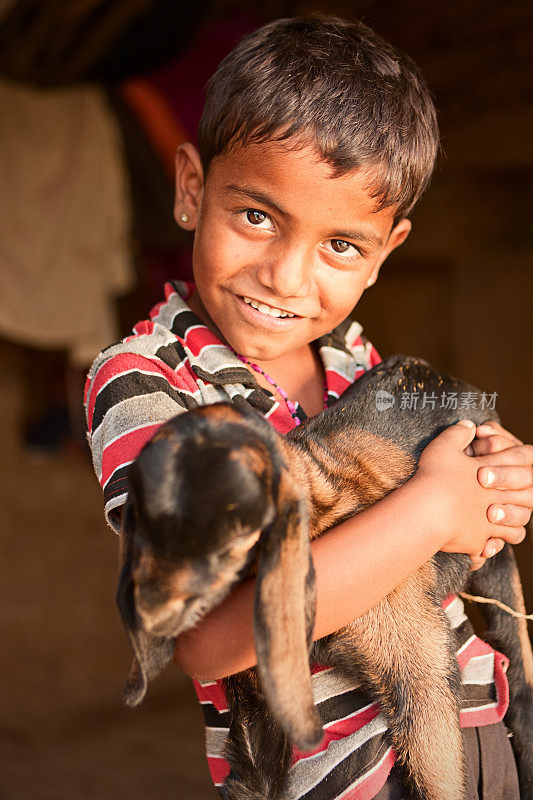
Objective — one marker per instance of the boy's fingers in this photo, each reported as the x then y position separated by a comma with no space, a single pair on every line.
506,477
491,444
490,428
493,546
508,514
516,455
511,535
462,433
457,436
476,562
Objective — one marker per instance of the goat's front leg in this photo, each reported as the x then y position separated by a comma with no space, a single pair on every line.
401,652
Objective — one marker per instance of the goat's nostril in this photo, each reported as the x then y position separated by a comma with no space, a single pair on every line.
150,598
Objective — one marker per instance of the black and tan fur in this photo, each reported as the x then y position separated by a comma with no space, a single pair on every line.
200,492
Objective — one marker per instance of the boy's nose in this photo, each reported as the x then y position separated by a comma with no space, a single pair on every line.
286,271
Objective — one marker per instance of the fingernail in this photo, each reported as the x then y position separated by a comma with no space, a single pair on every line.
467,422
491,551
489,477
485,428
469,450
498,515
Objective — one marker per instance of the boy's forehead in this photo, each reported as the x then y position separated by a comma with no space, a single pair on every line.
294,175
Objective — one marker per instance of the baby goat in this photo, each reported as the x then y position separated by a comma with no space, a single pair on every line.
217,495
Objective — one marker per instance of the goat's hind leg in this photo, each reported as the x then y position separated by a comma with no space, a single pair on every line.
403,652
257,749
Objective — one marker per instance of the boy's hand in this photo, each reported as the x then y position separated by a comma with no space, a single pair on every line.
457,498
511,470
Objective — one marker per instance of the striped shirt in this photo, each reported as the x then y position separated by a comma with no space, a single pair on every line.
172,362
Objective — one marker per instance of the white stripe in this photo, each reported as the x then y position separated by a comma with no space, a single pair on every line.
353,332
456,612
479,670
313,769
215,739
342,375
330,683
475,709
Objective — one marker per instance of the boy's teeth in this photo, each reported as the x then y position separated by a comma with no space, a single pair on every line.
264,309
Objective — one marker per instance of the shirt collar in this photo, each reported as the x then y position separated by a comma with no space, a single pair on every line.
225,367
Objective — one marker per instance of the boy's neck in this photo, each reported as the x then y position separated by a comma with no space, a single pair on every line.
301,374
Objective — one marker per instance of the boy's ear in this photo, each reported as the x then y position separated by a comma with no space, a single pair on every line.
397,236
189,186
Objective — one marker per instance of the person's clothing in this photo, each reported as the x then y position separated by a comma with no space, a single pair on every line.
173,362
64,219
492,774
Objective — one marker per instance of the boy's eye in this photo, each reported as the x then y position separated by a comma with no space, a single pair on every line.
340,246
258,218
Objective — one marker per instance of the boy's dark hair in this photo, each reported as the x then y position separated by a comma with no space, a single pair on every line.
337,85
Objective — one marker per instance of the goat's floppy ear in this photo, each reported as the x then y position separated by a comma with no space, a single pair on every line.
284,618
152,653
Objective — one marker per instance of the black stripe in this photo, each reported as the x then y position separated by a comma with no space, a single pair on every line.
462,634
474,695
341,705
357,763
117,484
134,384
214,718
225,375
336,339
173,355
183,320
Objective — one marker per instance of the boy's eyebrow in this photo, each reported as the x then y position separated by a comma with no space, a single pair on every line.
367,237
372,239
255,195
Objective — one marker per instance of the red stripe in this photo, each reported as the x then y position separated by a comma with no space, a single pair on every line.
317,668
448,601
474,717
375,357
198,338
214,693
219,768
187,288
280,418
335,382
125,449
339,730
477,647
156,309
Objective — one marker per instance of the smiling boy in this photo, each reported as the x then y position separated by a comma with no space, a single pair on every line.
316,141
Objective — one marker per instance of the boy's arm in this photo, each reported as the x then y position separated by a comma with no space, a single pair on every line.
360,561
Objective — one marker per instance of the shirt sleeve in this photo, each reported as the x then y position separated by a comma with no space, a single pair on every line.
128,396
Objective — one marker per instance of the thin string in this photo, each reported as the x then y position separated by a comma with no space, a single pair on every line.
476,599
291,406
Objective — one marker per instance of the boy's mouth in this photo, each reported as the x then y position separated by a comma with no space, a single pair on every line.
267,310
